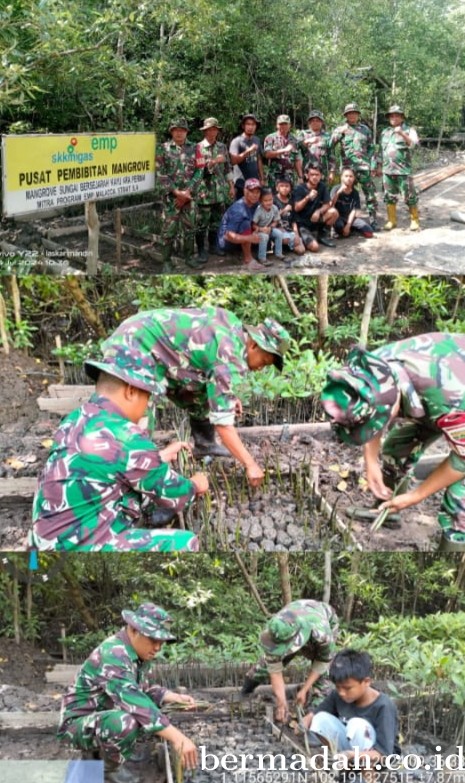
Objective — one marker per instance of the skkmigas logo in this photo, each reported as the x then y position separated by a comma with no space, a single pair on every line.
74,155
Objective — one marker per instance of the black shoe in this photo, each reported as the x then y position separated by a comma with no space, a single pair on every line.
220,251
249,685
374,224
326,242
161,517
197,262
205,444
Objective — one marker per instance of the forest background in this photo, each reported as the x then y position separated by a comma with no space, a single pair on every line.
88,65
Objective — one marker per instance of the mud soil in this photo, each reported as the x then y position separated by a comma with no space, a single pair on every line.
439,248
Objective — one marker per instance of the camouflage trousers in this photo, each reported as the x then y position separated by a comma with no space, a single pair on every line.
366,181
398,185
209,216
113,732
403,447
122,538
260,676
179,224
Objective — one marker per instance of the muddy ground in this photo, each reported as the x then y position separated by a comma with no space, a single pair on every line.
439,248
283,515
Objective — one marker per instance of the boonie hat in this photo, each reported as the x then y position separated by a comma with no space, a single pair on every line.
250,116
395,109
252,183
283,118
179,123
358,398
150,620
121,365
210,122
351,107
272,337
279,635
314,114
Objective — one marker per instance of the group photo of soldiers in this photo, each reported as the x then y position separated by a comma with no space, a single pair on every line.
291,192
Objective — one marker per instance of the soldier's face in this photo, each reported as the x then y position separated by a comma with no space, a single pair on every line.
139,399
352,117
395,119
179,136
351,690
283,128
211,134
145,647
315,124
257,358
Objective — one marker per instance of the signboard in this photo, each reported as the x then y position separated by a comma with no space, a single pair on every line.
51,170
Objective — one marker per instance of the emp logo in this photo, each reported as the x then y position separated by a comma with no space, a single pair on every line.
98,143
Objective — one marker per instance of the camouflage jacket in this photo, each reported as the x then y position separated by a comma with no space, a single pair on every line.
102,468
430,372
191,350
212,187
285,165
114,678
357,148
176,168
396,153
316,639
316,149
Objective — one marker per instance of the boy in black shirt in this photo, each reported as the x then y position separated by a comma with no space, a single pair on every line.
313,211
355,717
346,199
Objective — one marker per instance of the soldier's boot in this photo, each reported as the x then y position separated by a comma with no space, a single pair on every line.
167,264
90,755
202,255
249,685
117,773
205,444
161,517
392,217
414,219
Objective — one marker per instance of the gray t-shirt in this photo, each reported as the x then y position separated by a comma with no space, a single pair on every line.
381,714
265,217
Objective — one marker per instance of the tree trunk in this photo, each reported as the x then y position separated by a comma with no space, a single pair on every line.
251,584
350,600
287,295
120,89
370,298
93,227
327,577
91,317
16,299
283,565
393,304
322,307
459,585
3,327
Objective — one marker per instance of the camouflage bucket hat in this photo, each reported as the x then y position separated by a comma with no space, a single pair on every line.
351,107
316,115
358,398
272,337
395,109
279,635
180,122
283,118
122,366
150,620
210,122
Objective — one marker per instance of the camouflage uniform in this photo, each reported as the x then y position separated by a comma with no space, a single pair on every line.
358,152
197,357
102,474
176,170
283,167
397,166
114,700
316,149
316,628
213,188
429,372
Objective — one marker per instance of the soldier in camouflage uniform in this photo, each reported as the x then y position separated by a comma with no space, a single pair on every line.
115,700
104,475
315,145
281,150
176,185
397,144
358,153
215,188
308,628
416,387
198,357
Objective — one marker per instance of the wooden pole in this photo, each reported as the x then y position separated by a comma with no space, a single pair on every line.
93,227
118,233
61,363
